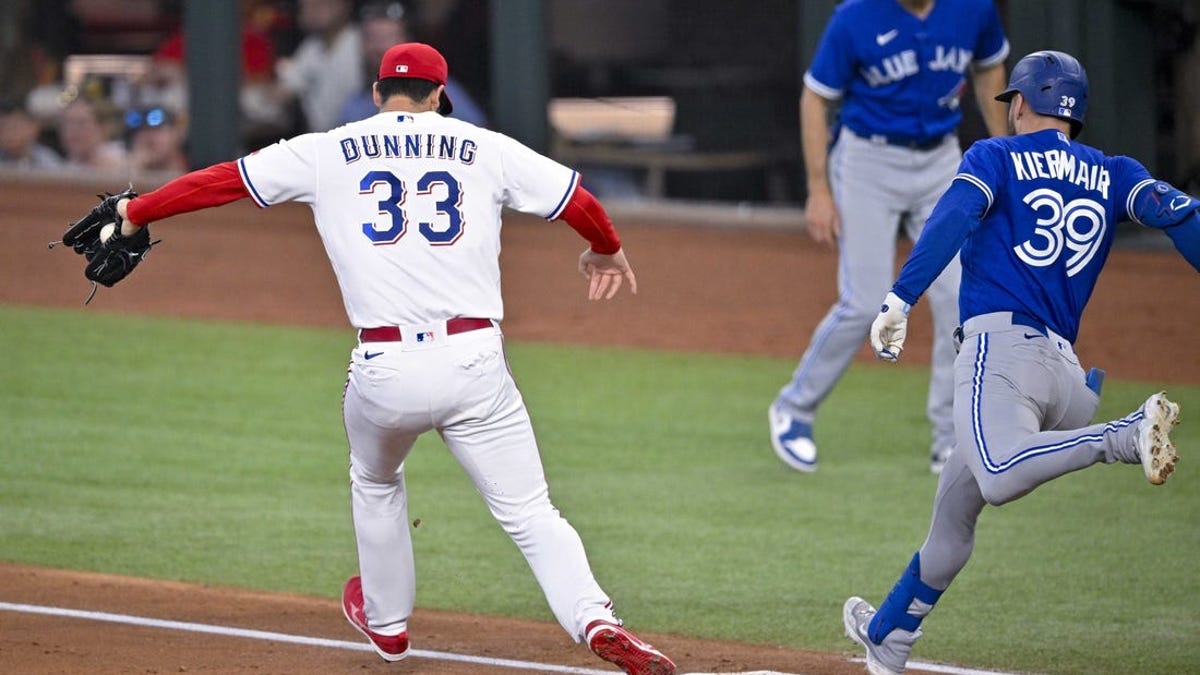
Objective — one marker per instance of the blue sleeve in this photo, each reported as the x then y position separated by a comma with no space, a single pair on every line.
1163,206
1129,177
1186,237
956,214
992,47
832,66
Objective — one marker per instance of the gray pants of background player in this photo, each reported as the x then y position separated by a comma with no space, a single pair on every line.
878,188
1021,405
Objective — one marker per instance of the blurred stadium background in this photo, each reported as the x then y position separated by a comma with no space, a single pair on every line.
654,100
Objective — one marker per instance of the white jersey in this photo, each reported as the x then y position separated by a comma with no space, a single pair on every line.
408,207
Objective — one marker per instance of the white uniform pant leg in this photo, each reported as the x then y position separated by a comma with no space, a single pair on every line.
378,501
494,442
868,192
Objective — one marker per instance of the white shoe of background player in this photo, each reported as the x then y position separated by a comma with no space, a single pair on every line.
792,440
1153,438
938,459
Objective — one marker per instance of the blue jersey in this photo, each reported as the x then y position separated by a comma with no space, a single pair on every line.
1054,207
1035,215
902,77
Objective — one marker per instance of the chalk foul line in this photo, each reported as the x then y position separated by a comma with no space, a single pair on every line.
272,636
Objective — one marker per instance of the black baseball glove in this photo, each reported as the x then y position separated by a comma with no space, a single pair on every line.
113,258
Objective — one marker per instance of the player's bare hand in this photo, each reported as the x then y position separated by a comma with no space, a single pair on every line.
890,328
821,217
128,228
606,273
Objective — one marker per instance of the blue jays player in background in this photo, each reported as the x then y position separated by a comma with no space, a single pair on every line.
1034,216
899,69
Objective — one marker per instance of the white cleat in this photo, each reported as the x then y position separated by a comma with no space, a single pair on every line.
1154,440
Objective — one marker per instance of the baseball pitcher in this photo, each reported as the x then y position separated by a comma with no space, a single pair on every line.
1034,215
408,205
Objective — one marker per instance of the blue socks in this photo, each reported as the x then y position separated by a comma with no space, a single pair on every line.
897,610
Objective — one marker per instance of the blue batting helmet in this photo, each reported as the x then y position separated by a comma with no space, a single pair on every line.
1054,84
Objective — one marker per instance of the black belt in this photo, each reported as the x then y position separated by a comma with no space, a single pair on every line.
458,324
924,145
911,144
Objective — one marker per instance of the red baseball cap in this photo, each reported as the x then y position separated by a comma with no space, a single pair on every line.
418,61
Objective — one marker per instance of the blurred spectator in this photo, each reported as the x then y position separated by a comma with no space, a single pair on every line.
383,24
156,141
19,146
258,54
326,68
263,114
87,132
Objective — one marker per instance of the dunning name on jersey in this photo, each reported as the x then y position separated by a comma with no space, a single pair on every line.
408,146
1060,165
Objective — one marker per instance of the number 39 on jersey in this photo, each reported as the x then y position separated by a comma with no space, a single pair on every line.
1077,225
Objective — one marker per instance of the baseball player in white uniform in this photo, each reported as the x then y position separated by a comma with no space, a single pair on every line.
408,206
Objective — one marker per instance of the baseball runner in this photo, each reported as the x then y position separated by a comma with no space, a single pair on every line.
899,69
1034,216
408,206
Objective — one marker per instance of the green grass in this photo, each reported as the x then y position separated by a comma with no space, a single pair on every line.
214,453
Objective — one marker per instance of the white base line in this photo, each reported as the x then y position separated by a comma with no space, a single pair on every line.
284,637
363,647
955,670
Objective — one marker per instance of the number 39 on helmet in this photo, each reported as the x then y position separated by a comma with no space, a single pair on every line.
1054,84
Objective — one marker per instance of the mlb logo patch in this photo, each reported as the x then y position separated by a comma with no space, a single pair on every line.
426,336
402,69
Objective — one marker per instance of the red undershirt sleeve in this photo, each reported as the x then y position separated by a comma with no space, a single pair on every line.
587,217
218,184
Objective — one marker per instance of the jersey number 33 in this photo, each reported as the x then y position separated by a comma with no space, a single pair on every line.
444,232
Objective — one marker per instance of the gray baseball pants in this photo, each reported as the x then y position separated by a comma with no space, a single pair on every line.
1021,405
878,189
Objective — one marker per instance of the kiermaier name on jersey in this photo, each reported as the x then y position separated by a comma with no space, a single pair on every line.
1060,165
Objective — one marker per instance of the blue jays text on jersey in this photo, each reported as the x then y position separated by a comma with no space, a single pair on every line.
896,67
408,146
900,76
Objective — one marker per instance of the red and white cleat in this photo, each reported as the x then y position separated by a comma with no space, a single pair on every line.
389,647
626,650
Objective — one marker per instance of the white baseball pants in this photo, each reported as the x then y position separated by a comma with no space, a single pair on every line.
460,386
